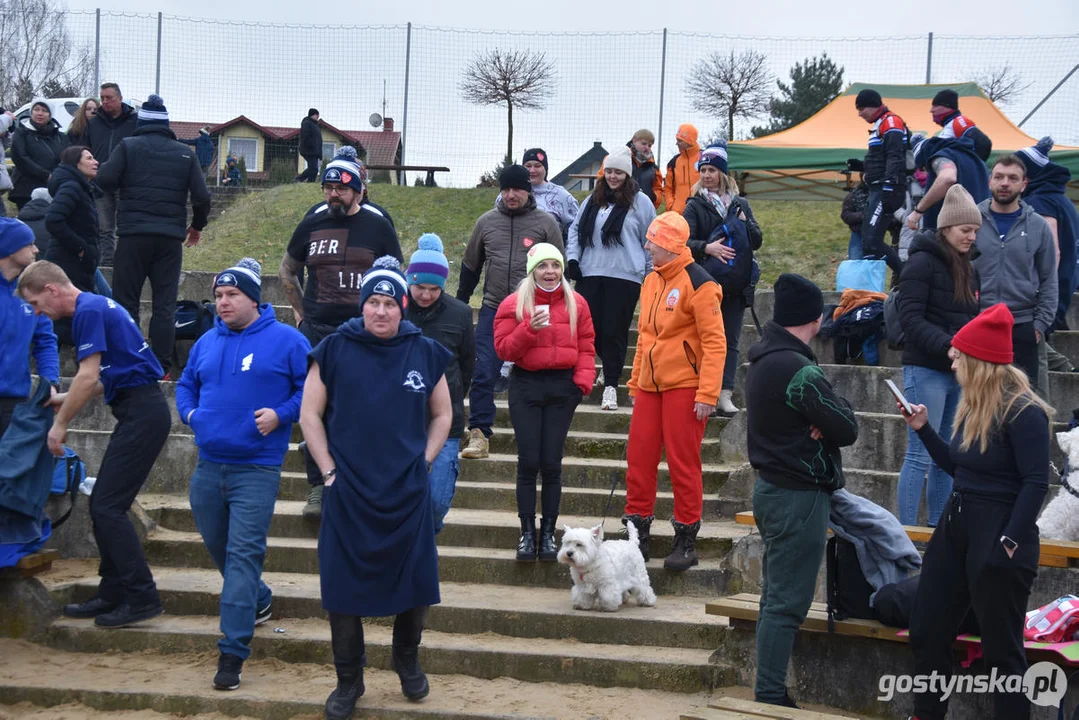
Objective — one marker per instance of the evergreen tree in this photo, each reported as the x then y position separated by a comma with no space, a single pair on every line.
814,84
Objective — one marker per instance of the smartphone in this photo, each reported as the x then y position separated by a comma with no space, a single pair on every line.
899,396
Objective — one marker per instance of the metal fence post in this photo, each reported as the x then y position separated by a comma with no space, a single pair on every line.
929,60
662,82
401,177
157,77
1051,93
97,51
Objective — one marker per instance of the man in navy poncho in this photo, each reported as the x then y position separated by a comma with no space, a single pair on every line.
376,412
947,161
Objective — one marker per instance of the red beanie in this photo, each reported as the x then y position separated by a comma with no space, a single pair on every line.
988,337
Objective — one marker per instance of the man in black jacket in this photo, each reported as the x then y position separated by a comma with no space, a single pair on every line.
449,321
310,146
885,173
114,122
154,174
796,425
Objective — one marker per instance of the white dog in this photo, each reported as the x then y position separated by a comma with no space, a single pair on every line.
1060,518
605,573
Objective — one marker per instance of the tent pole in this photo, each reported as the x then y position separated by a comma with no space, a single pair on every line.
929,61
1051,92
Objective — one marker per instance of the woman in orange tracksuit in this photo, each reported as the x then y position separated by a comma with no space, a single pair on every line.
682,169
677,372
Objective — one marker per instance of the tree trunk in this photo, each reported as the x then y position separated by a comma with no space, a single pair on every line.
730,125
509,140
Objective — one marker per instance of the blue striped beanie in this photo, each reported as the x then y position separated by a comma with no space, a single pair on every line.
428,265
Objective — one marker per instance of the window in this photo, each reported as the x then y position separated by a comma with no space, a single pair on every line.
248,149
329,149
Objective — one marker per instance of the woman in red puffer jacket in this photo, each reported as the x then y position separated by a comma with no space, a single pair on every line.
545,329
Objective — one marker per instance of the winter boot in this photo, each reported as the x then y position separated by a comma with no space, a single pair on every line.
644,531
726,406
477,445
684,554
526,546
342,701
548,550
349,659
406,663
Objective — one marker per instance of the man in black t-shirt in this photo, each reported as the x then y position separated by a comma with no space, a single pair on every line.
334,245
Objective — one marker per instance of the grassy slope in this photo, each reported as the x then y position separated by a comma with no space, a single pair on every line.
803,237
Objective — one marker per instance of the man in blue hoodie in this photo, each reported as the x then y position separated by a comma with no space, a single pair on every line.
240,393
20,330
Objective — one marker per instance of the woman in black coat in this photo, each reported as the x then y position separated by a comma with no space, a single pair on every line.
35,151
72,217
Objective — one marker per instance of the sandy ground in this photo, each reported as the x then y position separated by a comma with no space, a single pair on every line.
75,711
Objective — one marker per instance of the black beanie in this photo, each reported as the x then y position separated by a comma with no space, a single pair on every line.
798,301
868,98
312,112
947,98
538,155
515,176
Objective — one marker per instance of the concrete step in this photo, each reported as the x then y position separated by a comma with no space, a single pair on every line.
583,444
499,566
115,682
823,349
1066,342
485,656
676,622
469,526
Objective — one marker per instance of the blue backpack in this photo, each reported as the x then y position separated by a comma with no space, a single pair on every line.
740,273
68,473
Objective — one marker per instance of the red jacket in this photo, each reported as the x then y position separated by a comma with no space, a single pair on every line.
552,347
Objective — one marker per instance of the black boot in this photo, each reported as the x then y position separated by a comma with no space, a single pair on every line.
644,531
349,658
406,663
526,546
342,701
684,554
548,550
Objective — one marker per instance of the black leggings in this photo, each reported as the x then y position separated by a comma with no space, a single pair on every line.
1025,348
541,409
346,635
612,301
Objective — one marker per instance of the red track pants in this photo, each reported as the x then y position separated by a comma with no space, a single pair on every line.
665,421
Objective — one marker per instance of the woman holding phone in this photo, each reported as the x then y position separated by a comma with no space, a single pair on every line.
545,329
938,294
984,553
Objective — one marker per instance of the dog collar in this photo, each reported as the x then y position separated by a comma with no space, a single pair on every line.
1064,483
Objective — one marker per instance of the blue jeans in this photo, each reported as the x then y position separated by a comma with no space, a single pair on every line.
443,478
854,249
101,285
734,312
481,400
939,392
233,506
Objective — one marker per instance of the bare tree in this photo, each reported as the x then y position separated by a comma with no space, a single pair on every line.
1001,84
731,86
513,78
36,52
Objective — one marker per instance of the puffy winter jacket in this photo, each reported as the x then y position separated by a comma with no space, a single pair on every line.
154,174
680,337
682,175
449,322
33,214
35,151
500,242
5,180
104,132
928,310
71,219
310,137
552,347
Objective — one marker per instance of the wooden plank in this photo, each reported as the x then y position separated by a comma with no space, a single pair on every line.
745,518
715,714
33,560
747,607
760,710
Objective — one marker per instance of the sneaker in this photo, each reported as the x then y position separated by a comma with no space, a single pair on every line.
228,672
477,447
128,615
313,508
610,399
263,614
91,608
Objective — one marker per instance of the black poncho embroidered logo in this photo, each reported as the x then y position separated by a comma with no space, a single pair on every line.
414,381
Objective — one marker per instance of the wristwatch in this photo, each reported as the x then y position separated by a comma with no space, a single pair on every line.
1008,543
329,474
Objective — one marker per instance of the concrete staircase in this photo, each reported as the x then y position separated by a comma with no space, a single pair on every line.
505,641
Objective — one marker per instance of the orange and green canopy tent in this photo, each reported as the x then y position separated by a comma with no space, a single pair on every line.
806,162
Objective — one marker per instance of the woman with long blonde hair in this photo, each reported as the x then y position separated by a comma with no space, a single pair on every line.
76,131
545,329
984,552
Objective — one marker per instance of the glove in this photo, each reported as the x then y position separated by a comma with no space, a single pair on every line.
573,270
890,199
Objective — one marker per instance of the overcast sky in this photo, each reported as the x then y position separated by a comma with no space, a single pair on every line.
824,17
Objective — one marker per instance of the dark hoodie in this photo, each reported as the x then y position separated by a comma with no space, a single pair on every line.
970,170
33,214
1046,193
928,310
229,375
449,322
71,219
786,396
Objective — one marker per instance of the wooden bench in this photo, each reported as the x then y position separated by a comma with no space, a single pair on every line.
1054,553
30,565
729,708
429,169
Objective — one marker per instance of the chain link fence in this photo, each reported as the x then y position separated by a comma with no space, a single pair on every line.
607,85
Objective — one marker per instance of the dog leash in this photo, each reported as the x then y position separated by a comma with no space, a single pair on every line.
610,497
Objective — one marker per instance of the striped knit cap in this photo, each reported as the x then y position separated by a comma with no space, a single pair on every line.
152,113
428,265
245,276
385,278
345,169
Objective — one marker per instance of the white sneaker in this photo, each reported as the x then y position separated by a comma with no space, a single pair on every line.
726,406
610,399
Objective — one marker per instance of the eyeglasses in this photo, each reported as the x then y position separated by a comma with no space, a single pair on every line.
338,190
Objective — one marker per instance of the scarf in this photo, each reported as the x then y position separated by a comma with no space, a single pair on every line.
611,233
719,202
642,158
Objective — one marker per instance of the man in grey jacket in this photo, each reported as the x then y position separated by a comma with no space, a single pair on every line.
1016,257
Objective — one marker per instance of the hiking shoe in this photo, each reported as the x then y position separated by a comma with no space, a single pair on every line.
91,608
477,445
263,614
684,554
313,508
610,399
228,672
128,615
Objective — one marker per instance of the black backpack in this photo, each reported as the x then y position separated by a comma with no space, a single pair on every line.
847,589
894,605
193,319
